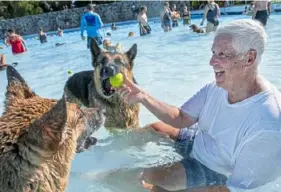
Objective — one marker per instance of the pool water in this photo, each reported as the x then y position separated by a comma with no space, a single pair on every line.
171,66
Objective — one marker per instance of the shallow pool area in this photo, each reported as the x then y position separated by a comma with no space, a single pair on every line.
170,66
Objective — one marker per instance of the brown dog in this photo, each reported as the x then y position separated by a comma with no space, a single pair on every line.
39,137
92,88
196,29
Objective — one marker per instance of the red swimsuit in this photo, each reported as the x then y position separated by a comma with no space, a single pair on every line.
17,46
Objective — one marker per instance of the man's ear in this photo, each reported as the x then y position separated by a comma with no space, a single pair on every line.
251,57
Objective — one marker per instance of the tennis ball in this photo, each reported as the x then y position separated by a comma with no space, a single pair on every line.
117,80
69,72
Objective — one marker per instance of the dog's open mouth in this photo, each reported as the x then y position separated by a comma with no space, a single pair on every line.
90,141
107,89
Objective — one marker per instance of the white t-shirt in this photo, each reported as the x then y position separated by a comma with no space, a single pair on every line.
241,140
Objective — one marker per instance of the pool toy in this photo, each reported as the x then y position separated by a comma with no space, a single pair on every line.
117,80
69,72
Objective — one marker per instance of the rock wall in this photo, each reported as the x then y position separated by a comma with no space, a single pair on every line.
113,12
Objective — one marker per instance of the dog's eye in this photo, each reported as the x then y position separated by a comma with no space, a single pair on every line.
104,60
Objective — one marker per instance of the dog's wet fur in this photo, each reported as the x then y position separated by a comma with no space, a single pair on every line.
39,138
196,29
92,88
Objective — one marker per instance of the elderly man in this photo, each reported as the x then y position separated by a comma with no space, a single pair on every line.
92,22
238,116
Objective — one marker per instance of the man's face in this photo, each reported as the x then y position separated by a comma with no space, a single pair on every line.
227,65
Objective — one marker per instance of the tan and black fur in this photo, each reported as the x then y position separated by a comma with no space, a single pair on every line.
39,138
88,87
196,29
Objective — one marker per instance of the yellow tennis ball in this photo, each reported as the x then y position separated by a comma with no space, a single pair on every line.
117,80
69,72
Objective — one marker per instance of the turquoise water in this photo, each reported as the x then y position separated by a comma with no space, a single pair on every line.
171,66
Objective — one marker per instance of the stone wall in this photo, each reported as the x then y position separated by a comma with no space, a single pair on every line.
113,12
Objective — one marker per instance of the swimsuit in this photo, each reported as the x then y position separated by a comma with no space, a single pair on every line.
212,16
17,46
262,16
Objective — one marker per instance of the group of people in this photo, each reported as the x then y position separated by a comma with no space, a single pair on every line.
42,36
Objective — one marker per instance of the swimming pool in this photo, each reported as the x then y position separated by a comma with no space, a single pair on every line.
171,66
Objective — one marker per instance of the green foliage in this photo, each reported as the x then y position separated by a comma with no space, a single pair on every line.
12,9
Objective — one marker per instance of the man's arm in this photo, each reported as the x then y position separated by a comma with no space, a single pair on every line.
100,23
219,11
82,25
168,114
23,42
205,14
7,41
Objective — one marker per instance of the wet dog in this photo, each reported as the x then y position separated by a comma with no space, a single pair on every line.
196,29
39,138
92,88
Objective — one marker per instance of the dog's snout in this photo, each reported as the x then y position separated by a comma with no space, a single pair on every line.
110,70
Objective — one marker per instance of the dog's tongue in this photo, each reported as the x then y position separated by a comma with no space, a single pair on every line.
89,142
107,85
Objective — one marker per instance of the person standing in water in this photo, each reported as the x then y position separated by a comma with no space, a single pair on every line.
186,16
175,16
212,13
92,22
166,18
42,36
260,11
60,32
143,23
16,41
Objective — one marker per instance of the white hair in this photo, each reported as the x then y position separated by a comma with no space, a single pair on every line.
246,34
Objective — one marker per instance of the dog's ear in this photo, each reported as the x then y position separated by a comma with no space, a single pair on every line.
17,88
95,49
132,53
46,133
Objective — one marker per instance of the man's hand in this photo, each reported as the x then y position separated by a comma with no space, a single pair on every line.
83,37
130,92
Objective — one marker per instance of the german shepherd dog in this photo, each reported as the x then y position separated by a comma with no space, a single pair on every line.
196,29
92,88
39,138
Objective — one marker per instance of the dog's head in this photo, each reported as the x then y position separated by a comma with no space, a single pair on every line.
41,127
107,64
193,27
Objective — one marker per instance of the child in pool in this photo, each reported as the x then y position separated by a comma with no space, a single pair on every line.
112,48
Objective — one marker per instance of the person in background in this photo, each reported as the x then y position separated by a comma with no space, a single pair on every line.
143,22
60,32
107,45
16,41
113,27
131,34
260,11
268,7
175,16
212,13
166,18
186,16
2,61
42,36
92,22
